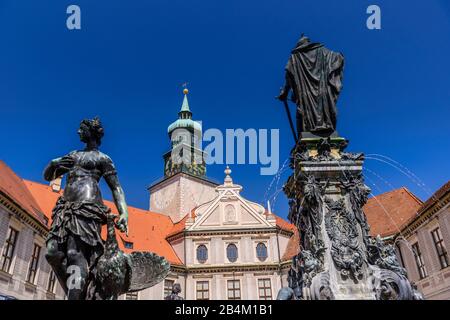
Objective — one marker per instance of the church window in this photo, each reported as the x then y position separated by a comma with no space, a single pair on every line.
202,253
261,251
232,252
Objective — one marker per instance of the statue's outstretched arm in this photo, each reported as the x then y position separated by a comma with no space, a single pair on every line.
284,92
119,199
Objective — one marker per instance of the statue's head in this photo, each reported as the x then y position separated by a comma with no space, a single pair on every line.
176,288
303,39
91,129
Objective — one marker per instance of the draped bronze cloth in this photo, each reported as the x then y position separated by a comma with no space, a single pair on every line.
314,73
83,220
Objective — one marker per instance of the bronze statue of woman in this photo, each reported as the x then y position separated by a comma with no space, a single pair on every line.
74,243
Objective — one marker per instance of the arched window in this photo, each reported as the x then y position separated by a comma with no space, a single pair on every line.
232,252
202,253
261,251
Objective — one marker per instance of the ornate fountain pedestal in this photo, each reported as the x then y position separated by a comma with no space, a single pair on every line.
338,258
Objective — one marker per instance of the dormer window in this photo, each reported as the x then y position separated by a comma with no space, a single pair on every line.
127,244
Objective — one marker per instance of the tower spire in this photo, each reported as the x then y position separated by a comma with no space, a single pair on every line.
185,135
185,112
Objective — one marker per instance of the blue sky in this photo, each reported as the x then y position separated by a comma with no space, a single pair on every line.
128,62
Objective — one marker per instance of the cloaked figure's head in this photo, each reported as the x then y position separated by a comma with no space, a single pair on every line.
91,130
305,44
303,40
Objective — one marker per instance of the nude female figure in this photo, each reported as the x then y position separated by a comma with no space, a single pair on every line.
74,243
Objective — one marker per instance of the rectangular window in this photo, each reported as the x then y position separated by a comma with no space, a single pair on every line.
132,296
400,253
8,249
419,261
264,289
51,282
202,290
234,289
440,247
34,263
168,284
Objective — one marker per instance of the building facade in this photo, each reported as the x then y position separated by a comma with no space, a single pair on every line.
421,234
423,243
229,247
24,273
232,243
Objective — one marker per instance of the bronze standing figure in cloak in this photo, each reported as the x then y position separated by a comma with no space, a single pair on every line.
75,249
327,193
314,75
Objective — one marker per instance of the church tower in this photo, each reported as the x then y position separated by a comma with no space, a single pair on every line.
185,136
184,185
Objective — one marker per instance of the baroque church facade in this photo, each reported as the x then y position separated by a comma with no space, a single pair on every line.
229,247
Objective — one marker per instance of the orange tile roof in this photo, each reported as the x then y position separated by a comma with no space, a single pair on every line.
45,196
435,197
387,213
147,230
284,225
293,246
13,187
178,227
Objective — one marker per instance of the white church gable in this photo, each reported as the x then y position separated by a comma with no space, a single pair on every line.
229,210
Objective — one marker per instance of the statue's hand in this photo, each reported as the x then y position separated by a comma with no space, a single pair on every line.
122,224
283,96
